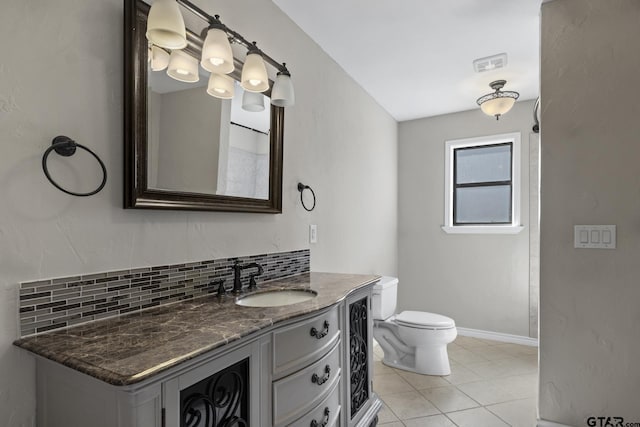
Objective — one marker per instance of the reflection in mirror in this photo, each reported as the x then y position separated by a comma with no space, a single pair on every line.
201,144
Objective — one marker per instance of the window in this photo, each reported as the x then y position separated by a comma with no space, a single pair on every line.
482,193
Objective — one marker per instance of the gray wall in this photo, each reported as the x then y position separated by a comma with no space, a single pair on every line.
62,74
589,308
480,280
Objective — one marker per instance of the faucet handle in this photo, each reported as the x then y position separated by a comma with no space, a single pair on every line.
222,291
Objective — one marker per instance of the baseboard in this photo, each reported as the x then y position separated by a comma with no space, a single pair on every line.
498,336
545,423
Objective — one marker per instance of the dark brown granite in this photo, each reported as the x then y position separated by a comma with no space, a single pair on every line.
130,348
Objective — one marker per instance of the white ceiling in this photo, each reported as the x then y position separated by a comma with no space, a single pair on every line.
414,57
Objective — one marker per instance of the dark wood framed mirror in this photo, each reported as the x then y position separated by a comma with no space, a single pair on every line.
163,158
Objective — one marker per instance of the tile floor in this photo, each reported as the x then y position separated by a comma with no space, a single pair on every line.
492,384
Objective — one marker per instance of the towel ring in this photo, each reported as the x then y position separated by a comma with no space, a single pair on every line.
66,147
301,188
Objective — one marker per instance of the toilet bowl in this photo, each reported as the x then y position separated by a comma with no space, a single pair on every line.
415,341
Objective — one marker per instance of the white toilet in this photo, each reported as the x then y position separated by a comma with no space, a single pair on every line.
412,340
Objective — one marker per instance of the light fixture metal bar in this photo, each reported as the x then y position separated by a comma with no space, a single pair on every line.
237,37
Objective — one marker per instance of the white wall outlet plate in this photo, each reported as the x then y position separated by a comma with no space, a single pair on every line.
313,233
594,236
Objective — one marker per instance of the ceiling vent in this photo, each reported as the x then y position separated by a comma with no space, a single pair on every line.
490,63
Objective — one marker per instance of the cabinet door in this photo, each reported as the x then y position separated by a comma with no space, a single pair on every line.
224,391
359,356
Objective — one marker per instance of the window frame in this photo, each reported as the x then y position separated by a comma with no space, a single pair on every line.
514,226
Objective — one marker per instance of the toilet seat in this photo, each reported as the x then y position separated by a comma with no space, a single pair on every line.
424,320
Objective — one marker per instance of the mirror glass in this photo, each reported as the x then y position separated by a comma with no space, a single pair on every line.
185,149
201,144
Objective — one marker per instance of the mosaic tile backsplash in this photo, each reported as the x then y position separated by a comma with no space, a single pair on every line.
57,303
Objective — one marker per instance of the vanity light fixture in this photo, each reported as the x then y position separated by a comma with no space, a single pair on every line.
253,101
282,94
217,56
158,58
166,29
183,67
499,102
221,86
165,25
254,73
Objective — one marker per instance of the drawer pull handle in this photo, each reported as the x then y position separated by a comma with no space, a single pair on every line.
323,333
321,380
325,420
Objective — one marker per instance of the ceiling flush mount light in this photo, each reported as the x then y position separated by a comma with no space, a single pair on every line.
217,56
165,25
254,73
282,94
183,67
498,102
220,86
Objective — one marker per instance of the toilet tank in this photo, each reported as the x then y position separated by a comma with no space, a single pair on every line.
385,298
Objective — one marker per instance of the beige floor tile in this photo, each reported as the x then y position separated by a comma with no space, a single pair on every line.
448,399
518,350
489,392
390,383
380,368
491,352
420,382
518,413
477,417
432,421
470,342
503,368
410,405
462,375
394,424
386,416
464,356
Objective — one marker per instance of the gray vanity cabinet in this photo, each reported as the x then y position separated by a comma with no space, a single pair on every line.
361,404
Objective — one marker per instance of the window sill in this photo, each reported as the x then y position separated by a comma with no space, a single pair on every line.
486,229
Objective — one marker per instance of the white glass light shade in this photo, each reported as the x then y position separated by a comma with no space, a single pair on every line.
165,25
183,67
282,94
217,56
220,86
252,101
497,106
254,74
158,58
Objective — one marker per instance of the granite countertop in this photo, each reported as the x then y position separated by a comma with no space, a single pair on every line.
131,348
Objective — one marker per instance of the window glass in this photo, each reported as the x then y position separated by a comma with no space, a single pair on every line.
483,164
483,205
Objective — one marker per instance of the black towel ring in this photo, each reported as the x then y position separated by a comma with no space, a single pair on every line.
66,147
301,188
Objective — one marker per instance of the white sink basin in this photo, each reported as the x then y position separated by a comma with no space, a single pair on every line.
276,298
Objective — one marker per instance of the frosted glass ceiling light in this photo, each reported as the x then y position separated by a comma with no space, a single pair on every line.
220,86
282,94
158,58
252,101
183,67
254,73
217,56
165,25
498,102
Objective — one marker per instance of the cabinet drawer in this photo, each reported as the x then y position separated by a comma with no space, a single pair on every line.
326,414
303,343
297,394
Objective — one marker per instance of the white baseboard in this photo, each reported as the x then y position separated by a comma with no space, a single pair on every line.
498,336
545,423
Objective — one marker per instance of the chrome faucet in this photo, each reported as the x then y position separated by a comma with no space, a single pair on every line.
237,272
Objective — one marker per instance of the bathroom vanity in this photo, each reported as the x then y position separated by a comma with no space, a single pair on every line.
209,361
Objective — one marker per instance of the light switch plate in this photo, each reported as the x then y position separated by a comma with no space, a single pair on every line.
313,233
594,236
